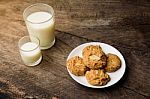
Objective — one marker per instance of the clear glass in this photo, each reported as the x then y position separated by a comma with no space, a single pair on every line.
30,51
40,22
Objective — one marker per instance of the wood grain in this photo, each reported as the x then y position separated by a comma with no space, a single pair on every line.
123,24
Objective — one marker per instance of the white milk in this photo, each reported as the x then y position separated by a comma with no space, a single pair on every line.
30,53
42,28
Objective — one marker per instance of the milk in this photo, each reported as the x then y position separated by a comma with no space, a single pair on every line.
30,53
41,25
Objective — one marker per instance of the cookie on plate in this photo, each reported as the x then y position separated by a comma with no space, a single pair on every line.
76,66
113,63
94,57
97,77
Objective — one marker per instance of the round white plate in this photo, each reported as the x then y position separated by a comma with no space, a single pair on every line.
115,76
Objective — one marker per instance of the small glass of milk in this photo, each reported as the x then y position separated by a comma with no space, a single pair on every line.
29,50
40,22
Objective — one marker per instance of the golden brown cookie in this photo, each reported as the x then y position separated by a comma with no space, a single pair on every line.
113,63
94,57
76,66
97,77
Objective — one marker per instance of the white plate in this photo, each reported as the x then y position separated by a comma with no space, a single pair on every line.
115,76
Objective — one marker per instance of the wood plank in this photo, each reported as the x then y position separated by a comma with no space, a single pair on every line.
118,23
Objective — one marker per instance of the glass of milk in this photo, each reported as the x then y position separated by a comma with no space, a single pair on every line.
29,50
40,22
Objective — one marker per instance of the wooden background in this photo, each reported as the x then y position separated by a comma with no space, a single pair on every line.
124,24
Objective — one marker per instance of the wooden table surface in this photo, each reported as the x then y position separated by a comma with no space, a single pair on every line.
124,24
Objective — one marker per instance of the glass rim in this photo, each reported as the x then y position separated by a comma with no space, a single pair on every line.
30,41
26,9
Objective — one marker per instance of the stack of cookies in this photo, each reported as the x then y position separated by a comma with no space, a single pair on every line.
94,65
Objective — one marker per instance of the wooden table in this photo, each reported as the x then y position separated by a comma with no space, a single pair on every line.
123,24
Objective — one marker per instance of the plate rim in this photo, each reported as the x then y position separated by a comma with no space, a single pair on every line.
92,86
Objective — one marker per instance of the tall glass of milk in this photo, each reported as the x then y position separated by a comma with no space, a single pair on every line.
30,51
40,22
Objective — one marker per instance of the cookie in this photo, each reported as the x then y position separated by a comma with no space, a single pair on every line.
76,66
94,57
113,63
97,77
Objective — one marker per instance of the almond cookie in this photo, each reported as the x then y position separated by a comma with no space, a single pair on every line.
97,77
113,63
76,66
94,57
